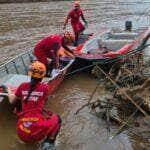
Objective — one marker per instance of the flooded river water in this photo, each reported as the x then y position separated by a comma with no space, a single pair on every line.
22,25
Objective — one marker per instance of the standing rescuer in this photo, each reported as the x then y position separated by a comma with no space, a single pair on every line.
75,15
29,99
46,51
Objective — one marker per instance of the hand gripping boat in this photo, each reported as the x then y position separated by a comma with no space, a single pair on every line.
14,72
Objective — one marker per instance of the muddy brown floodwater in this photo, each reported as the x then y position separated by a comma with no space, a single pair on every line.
22,25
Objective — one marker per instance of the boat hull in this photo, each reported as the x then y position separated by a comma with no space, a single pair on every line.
85,56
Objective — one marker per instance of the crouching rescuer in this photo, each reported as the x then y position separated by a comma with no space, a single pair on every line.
46,51
34,122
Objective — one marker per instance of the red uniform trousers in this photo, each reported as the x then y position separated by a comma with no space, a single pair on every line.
77,27
32,128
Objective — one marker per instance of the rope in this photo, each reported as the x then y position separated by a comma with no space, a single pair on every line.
140,48
109,60
138,107
80,69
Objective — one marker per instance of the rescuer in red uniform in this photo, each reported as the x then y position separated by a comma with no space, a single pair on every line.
46,50
29,99
75,15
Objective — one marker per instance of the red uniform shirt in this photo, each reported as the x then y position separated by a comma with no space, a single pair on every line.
47,43
75,15
45,48
32,126
37,97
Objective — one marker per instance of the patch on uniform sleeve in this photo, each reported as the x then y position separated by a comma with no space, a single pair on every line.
31,119
26,130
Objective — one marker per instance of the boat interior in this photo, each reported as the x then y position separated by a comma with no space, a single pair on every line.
15,71
109,41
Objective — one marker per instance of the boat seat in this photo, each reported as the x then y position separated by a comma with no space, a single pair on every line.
14,80
115,45
123,35
91,45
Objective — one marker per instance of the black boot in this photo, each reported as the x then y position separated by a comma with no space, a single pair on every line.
47,144
75,43
48,70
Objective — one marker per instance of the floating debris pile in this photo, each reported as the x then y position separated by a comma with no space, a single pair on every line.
128,82
129,85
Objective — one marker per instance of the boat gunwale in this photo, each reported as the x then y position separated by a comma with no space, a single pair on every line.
11,60
61,71
29,52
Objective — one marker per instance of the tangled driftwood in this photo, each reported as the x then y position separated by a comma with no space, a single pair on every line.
138,94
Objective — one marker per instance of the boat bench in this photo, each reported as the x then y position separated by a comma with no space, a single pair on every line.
91,45
123,35
115,45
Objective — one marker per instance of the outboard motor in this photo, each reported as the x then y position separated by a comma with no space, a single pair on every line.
128,26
